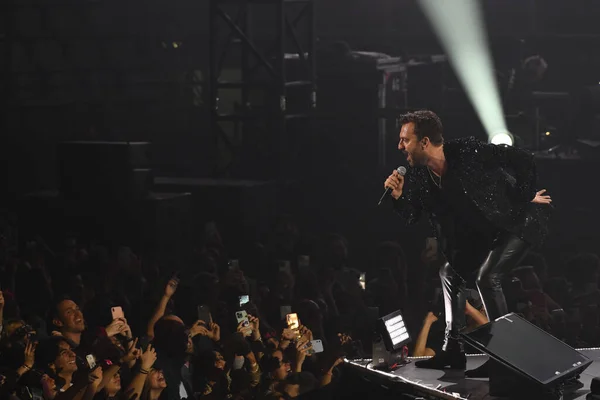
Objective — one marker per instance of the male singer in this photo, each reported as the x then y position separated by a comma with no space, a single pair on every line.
484,209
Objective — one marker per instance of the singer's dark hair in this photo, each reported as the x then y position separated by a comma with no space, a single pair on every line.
427,124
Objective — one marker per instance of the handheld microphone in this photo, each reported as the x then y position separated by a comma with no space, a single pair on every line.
402,171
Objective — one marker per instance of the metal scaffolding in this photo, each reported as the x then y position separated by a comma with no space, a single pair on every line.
269,71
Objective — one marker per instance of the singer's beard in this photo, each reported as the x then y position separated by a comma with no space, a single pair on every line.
416,159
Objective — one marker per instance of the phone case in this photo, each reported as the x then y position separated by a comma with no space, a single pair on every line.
242,316
317,346
204,314
91,360
117,312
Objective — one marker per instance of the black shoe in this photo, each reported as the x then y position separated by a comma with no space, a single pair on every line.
445,360
483,371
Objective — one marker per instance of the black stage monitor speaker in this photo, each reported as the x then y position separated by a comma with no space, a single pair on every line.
526,360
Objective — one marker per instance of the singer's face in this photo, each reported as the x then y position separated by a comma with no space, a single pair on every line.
410,145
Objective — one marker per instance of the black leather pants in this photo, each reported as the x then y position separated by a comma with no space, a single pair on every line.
505,254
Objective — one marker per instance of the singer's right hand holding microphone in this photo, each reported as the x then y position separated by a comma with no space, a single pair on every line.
395,182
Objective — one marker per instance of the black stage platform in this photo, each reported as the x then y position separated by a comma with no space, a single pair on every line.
451,384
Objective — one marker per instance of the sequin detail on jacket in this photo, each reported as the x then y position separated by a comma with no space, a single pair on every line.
499,180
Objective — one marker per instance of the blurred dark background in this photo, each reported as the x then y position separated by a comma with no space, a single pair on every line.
139,71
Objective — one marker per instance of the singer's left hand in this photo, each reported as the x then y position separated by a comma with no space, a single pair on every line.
541,198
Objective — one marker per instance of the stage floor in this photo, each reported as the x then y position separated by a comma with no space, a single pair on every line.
454,382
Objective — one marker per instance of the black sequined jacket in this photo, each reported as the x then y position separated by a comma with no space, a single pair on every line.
499,180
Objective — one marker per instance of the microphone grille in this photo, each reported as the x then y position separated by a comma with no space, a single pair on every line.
401,170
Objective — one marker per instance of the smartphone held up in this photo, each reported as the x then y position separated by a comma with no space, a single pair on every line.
117,313
244,299
91,361
316,346
292,321
242,318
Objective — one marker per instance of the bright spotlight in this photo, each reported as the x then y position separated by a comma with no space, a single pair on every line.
460,28
502,138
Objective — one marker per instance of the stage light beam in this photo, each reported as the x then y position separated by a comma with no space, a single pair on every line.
460,27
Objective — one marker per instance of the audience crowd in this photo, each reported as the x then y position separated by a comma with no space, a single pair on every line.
89,321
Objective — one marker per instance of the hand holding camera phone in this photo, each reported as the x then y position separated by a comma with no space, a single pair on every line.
171,286
242,316
119,323
313,347
316,346
238,362
243,322
205,315
292,321
91,361
117,313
